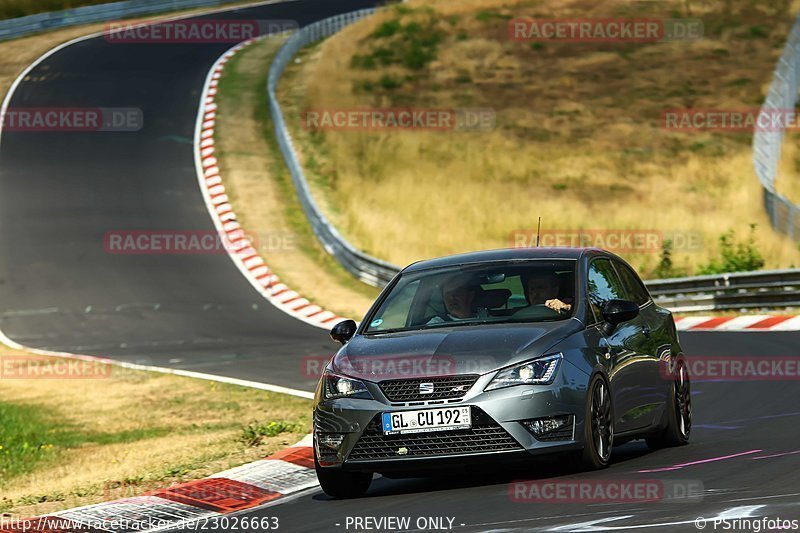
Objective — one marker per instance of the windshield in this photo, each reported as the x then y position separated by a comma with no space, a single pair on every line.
529,291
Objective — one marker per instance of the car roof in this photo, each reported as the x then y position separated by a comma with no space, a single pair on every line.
505,254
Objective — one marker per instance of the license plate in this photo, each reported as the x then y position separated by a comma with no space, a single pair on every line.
446,419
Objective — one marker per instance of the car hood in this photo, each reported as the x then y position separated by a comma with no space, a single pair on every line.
448,351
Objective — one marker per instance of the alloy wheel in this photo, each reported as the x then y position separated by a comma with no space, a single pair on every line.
602,423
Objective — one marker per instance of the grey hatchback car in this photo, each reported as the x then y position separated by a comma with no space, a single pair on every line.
499,356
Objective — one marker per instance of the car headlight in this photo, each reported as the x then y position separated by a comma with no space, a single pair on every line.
336,386
537,372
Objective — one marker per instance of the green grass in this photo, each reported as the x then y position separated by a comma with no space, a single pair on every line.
29,438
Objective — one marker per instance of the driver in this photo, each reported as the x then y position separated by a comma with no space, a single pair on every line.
542,288
458,294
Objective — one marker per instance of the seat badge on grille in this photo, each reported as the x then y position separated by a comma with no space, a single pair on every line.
459,388
426,388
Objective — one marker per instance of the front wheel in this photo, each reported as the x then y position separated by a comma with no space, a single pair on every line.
598,432
340,483
679,413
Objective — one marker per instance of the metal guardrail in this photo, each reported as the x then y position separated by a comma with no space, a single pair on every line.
19,27
368,269
779,288
739,290
781,98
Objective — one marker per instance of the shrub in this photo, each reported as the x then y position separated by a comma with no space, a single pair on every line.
666,268
389,82
254,433
387,29
411,44
741,256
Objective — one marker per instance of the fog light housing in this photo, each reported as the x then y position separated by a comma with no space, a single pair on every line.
551,428
328,446
332,441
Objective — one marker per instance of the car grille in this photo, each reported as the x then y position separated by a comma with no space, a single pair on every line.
407,390
485,436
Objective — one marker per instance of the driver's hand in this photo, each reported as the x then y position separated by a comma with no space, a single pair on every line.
557,305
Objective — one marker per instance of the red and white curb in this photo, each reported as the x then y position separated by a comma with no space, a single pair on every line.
286,472
738,323
241,251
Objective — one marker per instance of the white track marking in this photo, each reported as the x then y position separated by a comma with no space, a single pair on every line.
174,371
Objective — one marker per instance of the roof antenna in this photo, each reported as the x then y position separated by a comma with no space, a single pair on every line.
538,231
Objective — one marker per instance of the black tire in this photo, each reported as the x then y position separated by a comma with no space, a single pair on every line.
678,412
598,426
340,483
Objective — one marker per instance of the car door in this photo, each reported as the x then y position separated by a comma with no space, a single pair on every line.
658,334
628,346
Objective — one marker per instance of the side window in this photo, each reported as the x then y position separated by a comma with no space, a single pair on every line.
634,288
397,310
604,285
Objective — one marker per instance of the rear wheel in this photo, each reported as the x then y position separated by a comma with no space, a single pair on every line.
598,433
340,483
679,413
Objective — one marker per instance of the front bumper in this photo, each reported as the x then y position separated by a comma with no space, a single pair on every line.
497,434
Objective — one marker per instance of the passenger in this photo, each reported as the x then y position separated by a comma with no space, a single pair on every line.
542,288
458,294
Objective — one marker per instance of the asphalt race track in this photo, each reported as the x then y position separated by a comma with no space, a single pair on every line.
60,193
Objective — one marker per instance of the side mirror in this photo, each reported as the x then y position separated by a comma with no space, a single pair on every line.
344,331
615,312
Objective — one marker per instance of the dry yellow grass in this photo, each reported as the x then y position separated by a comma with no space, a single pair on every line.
578,140
180,429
